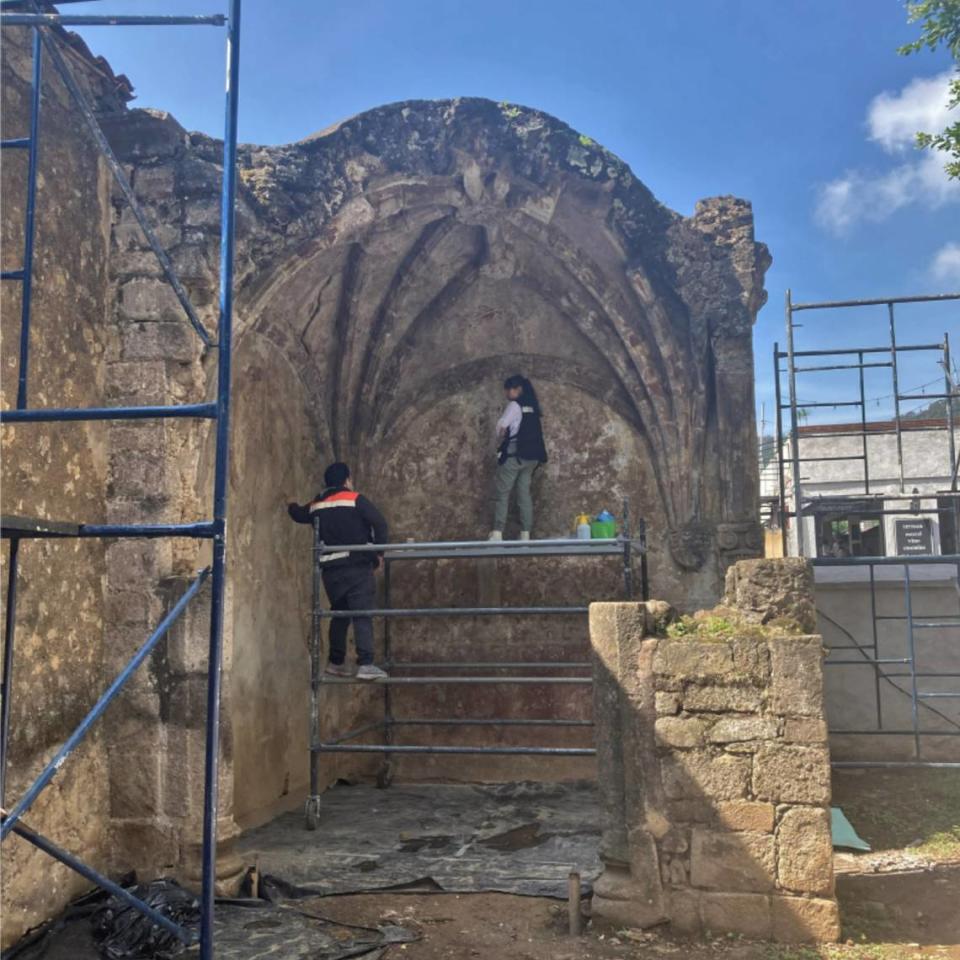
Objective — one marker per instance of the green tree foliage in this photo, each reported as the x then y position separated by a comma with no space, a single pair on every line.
940,26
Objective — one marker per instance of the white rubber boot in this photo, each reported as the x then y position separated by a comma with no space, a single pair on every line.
496,535
524,534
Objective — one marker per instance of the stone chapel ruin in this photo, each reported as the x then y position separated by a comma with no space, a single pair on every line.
391,271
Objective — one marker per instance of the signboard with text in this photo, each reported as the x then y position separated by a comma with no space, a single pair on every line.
914,537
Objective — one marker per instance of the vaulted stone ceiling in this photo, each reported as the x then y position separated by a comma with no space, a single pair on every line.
422,249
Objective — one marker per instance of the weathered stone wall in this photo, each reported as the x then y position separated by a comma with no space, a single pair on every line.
713,764
400,266
54,471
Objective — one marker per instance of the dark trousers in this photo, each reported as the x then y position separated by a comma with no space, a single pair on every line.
351,588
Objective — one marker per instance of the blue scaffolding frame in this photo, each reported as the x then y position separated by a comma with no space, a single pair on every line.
27,13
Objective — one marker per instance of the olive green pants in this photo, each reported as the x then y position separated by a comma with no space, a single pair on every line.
514,473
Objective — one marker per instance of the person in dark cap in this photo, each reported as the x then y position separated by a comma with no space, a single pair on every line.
347,517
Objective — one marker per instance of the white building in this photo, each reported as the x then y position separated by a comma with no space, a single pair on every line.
857,501
890,630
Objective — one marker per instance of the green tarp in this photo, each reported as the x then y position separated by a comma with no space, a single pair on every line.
843,833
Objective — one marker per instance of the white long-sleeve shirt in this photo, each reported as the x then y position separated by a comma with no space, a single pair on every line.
509,423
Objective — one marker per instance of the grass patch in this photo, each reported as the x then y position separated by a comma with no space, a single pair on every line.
918,810
723,624
855,951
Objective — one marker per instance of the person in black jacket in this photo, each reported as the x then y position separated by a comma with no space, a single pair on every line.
521,451
347,517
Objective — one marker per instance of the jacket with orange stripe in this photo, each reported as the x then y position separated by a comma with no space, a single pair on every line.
345,517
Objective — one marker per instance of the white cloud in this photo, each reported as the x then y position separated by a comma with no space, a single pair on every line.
893,119
946,265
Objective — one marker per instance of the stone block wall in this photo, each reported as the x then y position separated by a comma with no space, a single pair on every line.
714,769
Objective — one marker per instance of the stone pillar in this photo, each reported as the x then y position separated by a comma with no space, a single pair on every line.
714,768
629,889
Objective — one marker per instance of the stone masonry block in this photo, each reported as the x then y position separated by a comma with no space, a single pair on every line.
137,476
805,731
746,815
803,920
198,176
699,774
188,639
144,134
203,213
136,436
805,851
685,912
792,774
187,699
140,510
127,234
154,183
679,731
136,763
129,607
147,298
796,687
721,699
690,659
141,382
667,703
731,729
751,658
742,914
773,589
135,262
732,861
135,563
174,340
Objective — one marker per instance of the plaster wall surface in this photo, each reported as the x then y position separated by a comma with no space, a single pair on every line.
857,699
54,471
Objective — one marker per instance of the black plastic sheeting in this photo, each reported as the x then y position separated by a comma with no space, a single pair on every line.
100,928
123,933
522,838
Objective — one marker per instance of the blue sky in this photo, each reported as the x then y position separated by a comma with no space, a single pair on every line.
801,106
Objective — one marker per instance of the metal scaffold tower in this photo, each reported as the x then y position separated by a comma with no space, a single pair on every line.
485,672
43,25
872,501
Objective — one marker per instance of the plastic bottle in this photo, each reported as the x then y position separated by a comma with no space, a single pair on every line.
583,527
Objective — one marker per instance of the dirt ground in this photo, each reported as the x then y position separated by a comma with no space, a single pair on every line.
492,926
901,901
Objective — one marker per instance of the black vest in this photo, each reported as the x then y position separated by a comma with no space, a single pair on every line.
528,443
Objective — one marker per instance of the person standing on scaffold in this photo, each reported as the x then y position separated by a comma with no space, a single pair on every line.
521,451
347,517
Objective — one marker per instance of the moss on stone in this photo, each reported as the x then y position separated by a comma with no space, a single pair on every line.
723,624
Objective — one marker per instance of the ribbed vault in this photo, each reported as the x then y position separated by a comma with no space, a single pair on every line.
437,247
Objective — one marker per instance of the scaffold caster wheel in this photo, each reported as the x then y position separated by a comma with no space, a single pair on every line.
312,813
385,774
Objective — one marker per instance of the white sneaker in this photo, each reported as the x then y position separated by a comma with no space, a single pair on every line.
524,534
338,670
370,671
496,535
